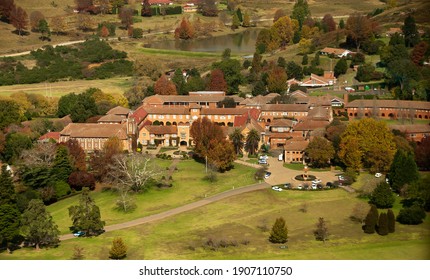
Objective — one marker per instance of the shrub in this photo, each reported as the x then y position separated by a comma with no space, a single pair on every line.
118,250
382,196
279,233
81,179
61,188
413,215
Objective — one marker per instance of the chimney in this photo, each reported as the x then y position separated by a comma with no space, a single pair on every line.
345,98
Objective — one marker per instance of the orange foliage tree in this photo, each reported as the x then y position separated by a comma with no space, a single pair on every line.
164,87
185,30
217,81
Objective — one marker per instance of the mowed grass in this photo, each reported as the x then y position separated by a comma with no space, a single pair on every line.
117,85
242,218
188,186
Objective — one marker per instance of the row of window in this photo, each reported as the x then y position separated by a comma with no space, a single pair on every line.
284,114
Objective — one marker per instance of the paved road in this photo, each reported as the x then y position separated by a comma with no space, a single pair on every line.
180,209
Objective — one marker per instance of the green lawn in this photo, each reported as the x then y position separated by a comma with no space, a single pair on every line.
246,219
188,186
299,167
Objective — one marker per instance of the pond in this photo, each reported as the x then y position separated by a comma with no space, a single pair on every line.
239,43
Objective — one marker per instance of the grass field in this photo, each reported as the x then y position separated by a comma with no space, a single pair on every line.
188,186
245,220
113,85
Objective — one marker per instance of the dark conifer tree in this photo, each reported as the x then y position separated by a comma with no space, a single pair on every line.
7,189
383,224
391,221
279,233
371,220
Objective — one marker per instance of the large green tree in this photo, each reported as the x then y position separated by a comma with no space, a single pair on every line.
232,74
403,170
62,166
279,232
301,11
320,151
9,225
7,188
382,196
368,143
86,216
410,31
9,113
383,224
37,225
371,220
16,143
340,67
252,141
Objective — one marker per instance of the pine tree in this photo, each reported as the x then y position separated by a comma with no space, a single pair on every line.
391,221
118,250
279,233
403,170
7,188
321,233
383,224
382,196
38,226
62,165
9,224
235,21
371,220
305,60
86,216
341,67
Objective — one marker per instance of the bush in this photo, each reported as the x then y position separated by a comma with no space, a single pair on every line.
61,189
413,215
279,233
137,33
382,196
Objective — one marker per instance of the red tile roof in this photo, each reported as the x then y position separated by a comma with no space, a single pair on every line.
285,107
95,130
118,110
50,135
293,145
399,104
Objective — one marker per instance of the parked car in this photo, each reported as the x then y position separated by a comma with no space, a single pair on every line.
276,188
265,158
314,186
287,186
316,181
319,186
79,233
262,161
378,175
267,175
329,185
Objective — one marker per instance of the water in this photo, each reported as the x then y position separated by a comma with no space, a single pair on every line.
241,42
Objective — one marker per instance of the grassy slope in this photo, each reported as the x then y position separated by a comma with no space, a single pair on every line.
240,218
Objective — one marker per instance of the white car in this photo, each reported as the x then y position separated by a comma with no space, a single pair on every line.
378,175
314,186
316,181
276,188
267,175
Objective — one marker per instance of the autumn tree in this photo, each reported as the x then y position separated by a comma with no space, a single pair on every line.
37,225
19,19
208,8
419,52
203,131
81,179
35,17
221,155
104,31
252,141
164,87
371,220
279,232
237,139
328,23
126,16
422,154
146,9
235,22
278,14
281,32
367,143
85,22
101,161
246,20
359,28
320,151
277,80
82,5
6,8
86,216
118,250
185,30
217,81
58,25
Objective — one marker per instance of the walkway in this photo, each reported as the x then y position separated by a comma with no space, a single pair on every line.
181,209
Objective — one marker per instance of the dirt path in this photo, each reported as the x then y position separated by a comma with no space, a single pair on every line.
181,209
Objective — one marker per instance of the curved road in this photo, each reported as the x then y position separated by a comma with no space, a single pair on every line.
180,209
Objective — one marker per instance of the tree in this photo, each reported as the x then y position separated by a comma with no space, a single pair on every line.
359,28
227,102
9,225
232,74
263,40
221,155
217,81
305,59
237,138
281,32
35,17
164,87
80,107
419,52
413,215
85,22
104,31
86,216
382,196
410,31
359,212
146,9
203,131
185,30
78,253
81,179
383,224
294,70
37,225
77,155
9,113
391,221
246,20
6,8
118,250
422,154
62,166
403,72
301,12
252,141
328,23
403,170
277,80
367,143
320,152
371,220
7,188
279,232
126,16
43,28
321,232
101,161
16,143
278,14
341,67
208,8
235,23
19,19
58,25
259,88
